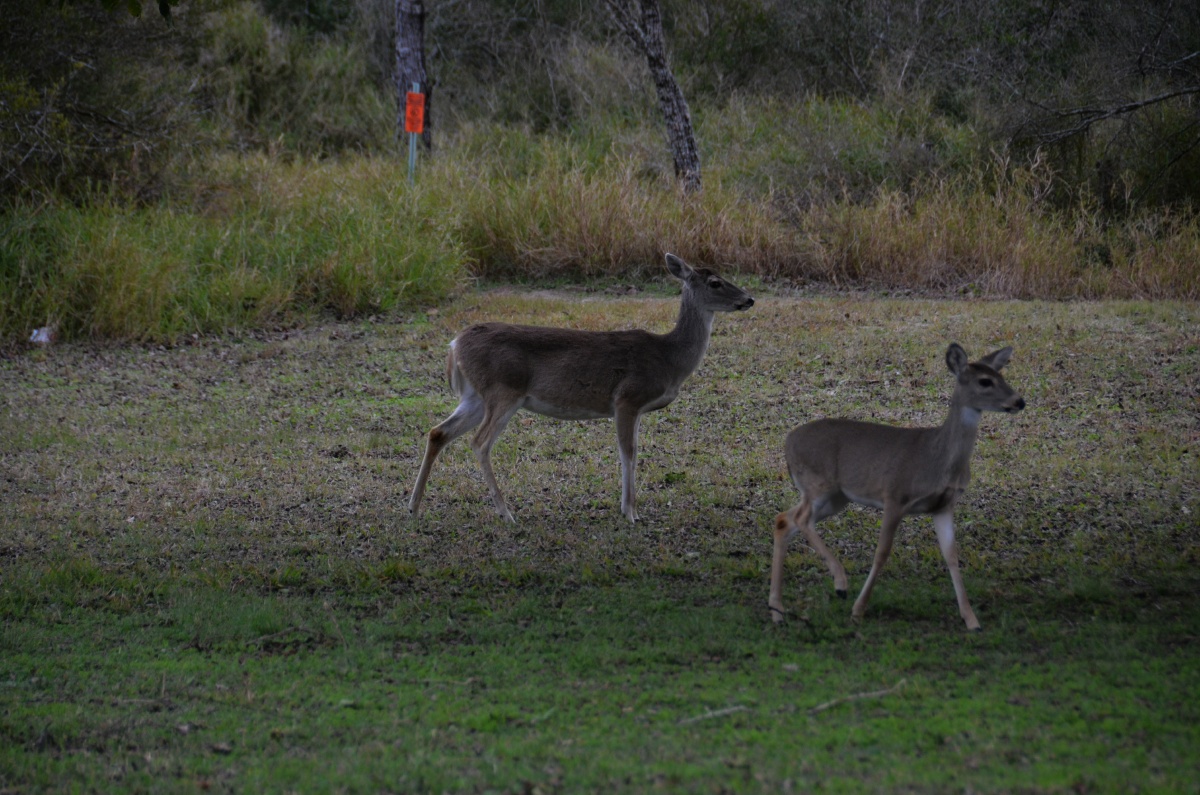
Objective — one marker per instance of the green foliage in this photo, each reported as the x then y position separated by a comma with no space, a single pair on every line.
731,45
280,89
822,150
1149,160
258,242
279,249
127,104
238,169
134,7
321,17
548,212
35,138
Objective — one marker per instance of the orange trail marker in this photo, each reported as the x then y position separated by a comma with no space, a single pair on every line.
414,113
414,124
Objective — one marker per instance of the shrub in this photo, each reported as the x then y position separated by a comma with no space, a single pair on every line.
278,88
270,244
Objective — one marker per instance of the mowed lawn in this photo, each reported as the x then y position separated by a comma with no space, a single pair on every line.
209,580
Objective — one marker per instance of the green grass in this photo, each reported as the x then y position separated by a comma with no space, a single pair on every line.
648,683
261,245
208,578
583,688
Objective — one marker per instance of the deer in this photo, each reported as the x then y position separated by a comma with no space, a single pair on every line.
497,369
903,471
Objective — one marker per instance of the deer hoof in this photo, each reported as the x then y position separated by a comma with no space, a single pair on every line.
841,593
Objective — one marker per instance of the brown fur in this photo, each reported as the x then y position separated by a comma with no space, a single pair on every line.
497,369
903,471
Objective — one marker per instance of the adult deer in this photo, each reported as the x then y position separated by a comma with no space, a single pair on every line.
904,471
496,369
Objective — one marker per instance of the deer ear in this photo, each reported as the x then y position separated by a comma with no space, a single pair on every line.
997,359
956,358
678,268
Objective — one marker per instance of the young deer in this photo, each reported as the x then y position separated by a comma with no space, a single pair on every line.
496,369
904,471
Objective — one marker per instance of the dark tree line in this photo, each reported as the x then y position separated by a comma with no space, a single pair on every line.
1100,85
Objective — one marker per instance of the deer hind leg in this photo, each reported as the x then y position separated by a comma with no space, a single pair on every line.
836,570
787,524
943,524
627,439
498,410
892,516
466,416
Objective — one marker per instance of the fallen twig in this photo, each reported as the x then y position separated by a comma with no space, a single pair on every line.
857,697
292,630
720,713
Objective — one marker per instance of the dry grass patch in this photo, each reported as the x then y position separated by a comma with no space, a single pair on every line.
244,457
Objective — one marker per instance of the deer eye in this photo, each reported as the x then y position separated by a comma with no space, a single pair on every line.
985,382
714,283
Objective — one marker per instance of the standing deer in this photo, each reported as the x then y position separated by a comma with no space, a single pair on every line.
496,369
904,471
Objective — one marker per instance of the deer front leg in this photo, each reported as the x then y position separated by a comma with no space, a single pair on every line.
496,416
627,433
943,524
892,516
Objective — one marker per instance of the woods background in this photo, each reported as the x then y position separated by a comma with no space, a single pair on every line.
1009,148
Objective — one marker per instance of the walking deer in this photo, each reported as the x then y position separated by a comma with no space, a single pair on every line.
496,369
904,471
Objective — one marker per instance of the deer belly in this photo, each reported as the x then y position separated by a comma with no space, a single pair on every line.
862,499
538,406
935,503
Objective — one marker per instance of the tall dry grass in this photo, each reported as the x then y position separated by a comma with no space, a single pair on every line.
995,233
257,240
567,218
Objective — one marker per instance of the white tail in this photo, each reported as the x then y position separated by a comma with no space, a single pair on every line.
904,471
496,369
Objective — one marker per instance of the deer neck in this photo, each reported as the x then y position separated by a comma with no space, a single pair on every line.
956,438
689,339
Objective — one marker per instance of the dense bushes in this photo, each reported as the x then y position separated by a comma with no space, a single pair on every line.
86,97
264,244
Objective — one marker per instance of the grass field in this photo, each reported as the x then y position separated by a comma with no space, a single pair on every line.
209,581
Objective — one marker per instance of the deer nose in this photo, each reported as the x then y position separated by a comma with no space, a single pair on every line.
746,304
1018,404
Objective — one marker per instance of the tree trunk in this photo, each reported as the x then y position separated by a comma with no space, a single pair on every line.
641,21
410,62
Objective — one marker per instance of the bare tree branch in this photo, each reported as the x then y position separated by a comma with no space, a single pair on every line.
1092,115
